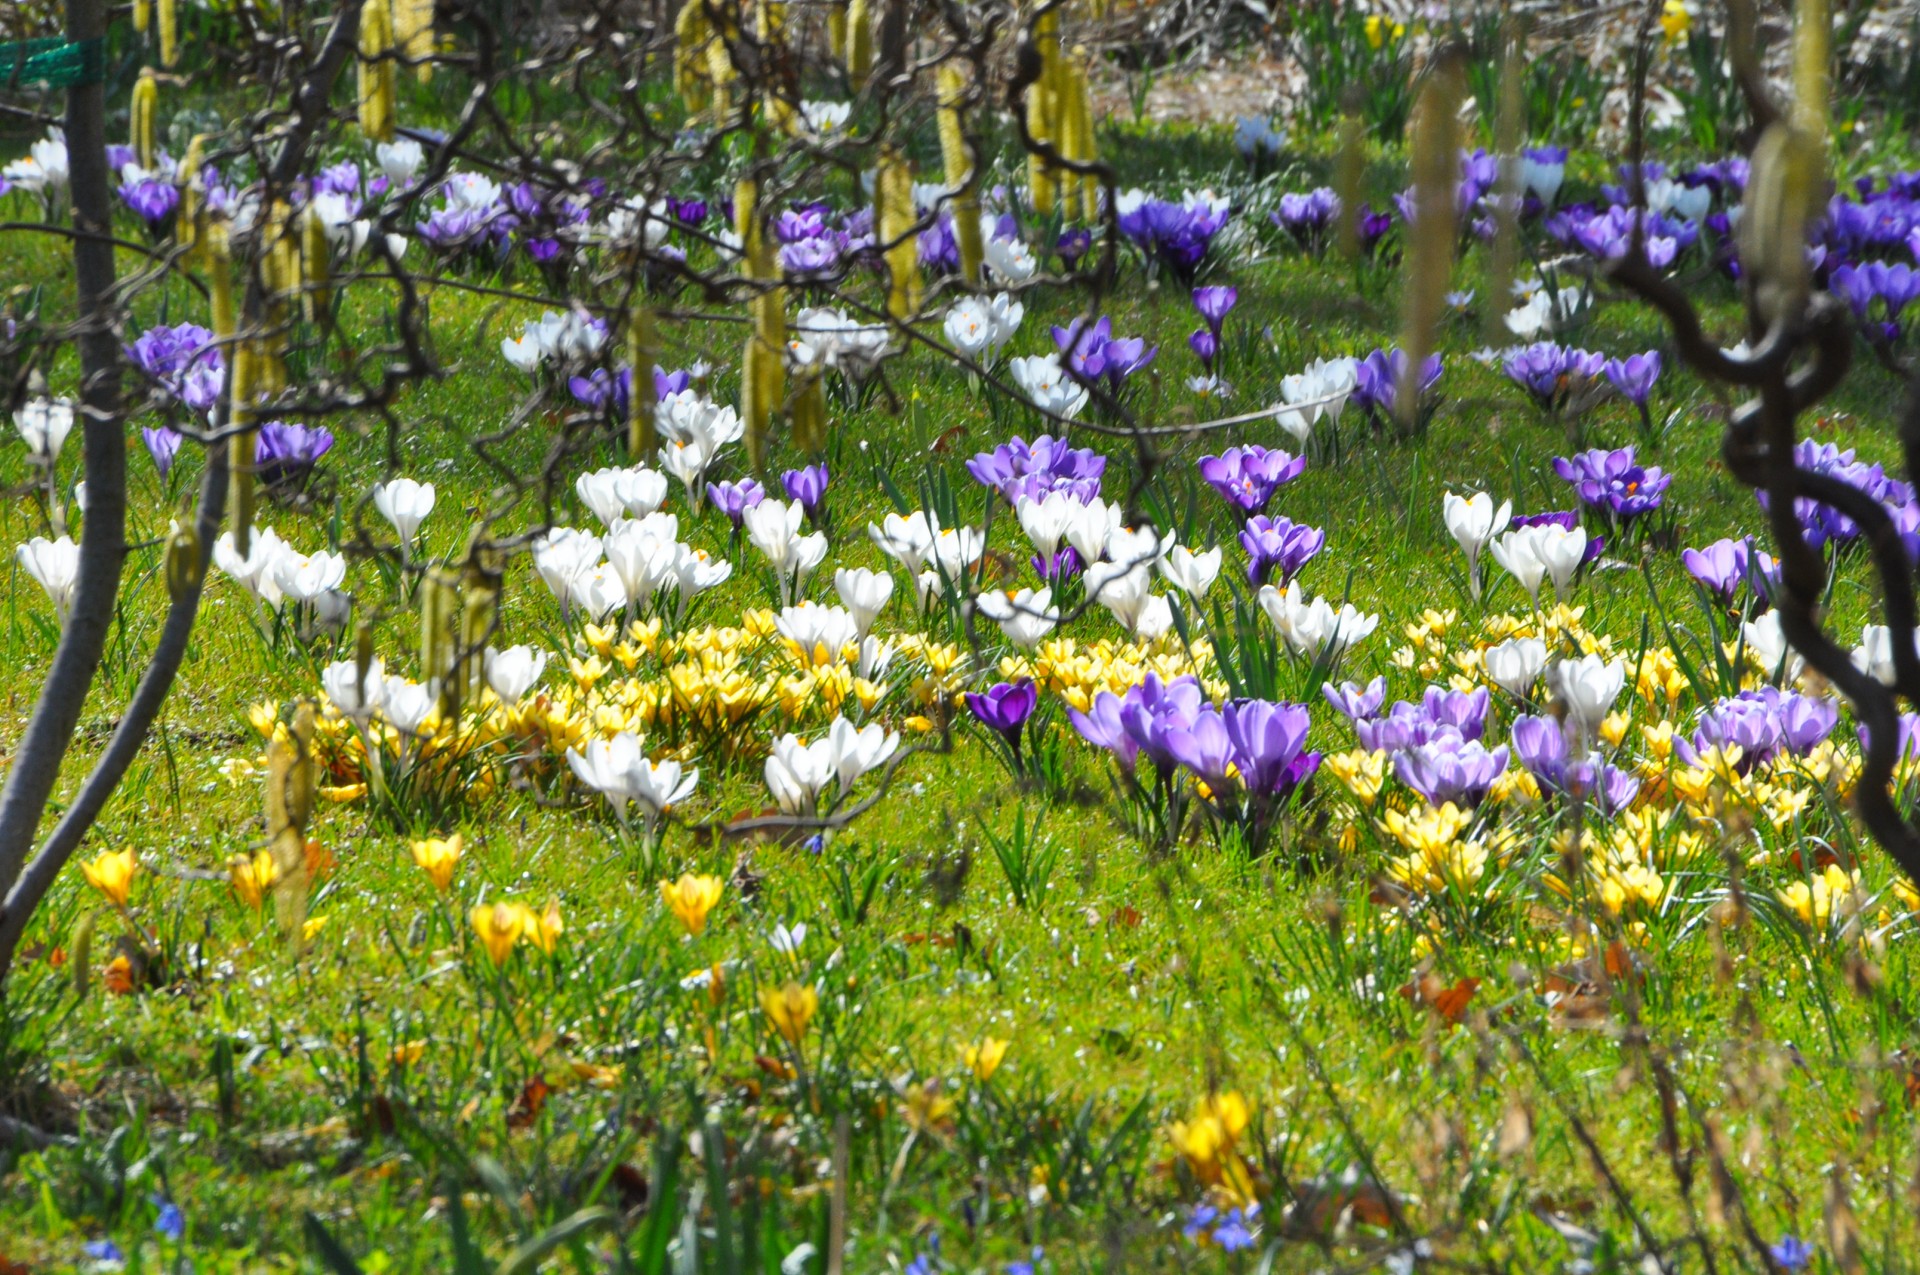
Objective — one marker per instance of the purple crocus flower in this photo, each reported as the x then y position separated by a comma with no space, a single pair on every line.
1175,234
1101,726
1249,476
1268,739
1005,709
1791,1253
185,359
1634,376
1540,743
1281,543
1552,373
1721,567
1018,469
103,1251
1205,346
1202,745
1611,483
151,199
1092,352
1354,704
284,453
1377,380
1464,711
1449,768
1154,709
1214,303
1307,216
1404,726
688,212
666,384
602,391
1064,565
808,486
734,498
163,444
810,258
1072,245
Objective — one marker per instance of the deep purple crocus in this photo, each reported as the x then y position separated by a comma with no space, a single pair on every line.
1021,470
1278,543
1376,385
602,391
284,454
163,444
1005,709
666,384
1249,476
151,199
1307,216
1093,352
1634,376
807,485
1062,566
1214,303
1177,235
185,360
1205,346
1792,1253
734,498
1073,244
1612,483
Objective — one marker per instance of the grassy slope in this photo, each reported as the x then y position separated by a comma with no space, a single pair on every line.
1231,975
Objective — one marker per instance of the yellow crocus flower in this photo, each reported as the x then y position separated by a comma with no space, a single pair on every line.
111,873
438,858
499,926
790,1009
983,1059
691,898
253,877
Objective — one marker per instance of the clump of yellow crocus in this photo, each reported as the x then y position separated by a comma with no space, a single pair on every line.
111,873
691,898
1207,1143
790,1009
438,858
501,925
253,876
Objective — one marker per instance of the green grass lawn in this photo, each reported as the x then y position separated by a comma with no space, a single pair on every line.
413,1096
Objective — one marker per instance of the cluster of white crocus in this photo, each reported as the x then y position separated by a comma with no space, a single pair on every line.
55,567
620,771
832,339
1515,665
1319,391
1473,521
43,169
1588,686
1311,626
407,705
864,593
1008,258
1047,386
932,556
694,430
554,338
1119,560
980,327
616,494
799,773
638,560
774,527
820,635
1548,551
1536,316
44,424
275,572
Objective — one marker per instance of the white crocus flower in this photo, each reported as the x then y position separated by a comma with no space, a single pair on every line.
1543,178
694,572
611,493
643,553
562,555
864,593
304,577
356,697
44,423
1769,646
55,566
406,504
1024,616
1588,686
969,327
797,773
400,159
1192,573
853,752
786,941
409,706
256,571
819,633
1473,521
907,539
1515,665
1561,551
1518,551
1047,521
1874,655
1010,260
599,592
513,672
823,118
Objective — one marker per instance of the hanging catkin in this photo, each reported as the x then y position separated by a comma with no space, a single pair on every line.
146,97
957,155
376,71
893,223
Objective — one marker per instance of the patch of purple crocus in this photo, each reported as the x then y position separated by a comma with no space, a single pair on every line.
1019,470
1249,476
1613,484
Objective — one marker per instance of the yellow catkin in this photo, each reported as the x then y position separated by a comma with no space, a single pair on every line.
1042,110
376,71
693,33
1348,170
240,449
810,415
837,32
859,43
1434,144
169,24
317,262
189,227
146,97
764,364
141,18
413,34
220,282
643,346
291,783
893,222
956,152
1089,182
1509,123
775,103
